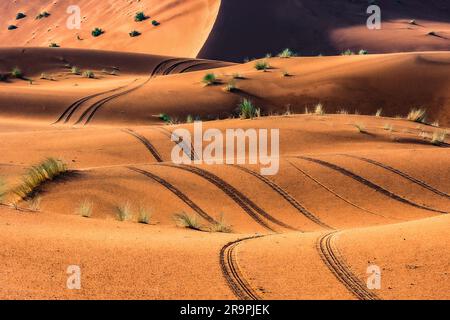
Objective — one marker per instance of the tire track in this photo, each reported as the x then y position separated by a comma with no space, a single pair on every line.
292,201
177,64
370,184
232,273
331,257
181,143
245,203
338,195
150,147
176,192
400,173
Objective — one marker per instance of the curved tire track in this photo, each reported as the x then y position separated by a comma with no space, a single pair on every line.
292,201
176,192
245,203
336,264
150,147
232,273
370,184
182,144
401,174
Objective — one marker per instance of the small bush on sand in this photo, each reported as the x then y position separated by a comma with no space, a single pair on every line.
75,70
262,65
144,216
184,220
379,113
140,16
189,119
97,32
248,110
319,110
286,74
16,73
20,15
155,23
231,86
134,33
388,127
363,52
89,74
417,115
165,117
286,53
12,27
35,203
42,15
347,52
220,226
209,79
123,212
237,76
361,127
439,137
85,209
37,175
53,45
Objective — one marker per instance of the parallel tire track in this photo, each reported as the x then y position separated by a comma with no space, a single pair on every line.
402,174
245,203
370,184
232,273
183,144
333,260
292,201
176,192
336,194
150,147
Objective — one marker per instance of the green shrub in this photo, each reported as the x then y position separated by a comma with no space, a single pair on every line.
42,15
248,110
12,27
155,23
89,74
347,52
16,73
97,32
209,79
165,117
140,16
262,65
134,33
363,52
20,15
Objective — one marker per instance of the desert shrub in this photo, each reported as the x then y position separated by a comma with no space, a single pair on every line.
20,15
237,76
85,209
361,127
220,226
47,170
262,65
231,86
347,52
89,74
439,137
286,53
363,52
97,32
12,27
378,113
248,110
35,203
286,73
388,127
319,110
155,23
144,216
75,70
165,117
184,220
189,119
140,16
123,212
417,115
42,15
16,73
54,45
134,33
209,79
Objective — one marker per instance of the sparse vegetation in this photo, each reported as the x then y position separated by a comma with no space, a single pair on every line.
439,137
75,70
220,226
85,209
378,113
54,45
134,33
189,119
361,127
97,32
3,190
155,23
184,220
286,53
388,127
140,16
231,86
47,170
417,115
20,15
237,76
42,15
209,79
144,216
123,212
319,110
165,117
12,27
342,111
347,52
35,203
89,74
286,74
363,52
248,110
412,22
262,65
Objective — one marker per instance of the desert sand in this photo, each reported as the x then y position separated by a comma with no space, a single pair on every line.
359,185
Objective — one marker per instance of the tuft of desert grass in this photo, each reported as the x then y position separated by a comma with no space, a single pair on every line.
184,220
361,127
85,209
439,137
343,111
189,119
144,216
16,73
123,212
231,86
435,124
379,113
75,70
417,115
3,190
209,79
237,76
286,74
220,226
388,127
248,110
47,170
89,74
262,65
319,110
286,53
35,203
